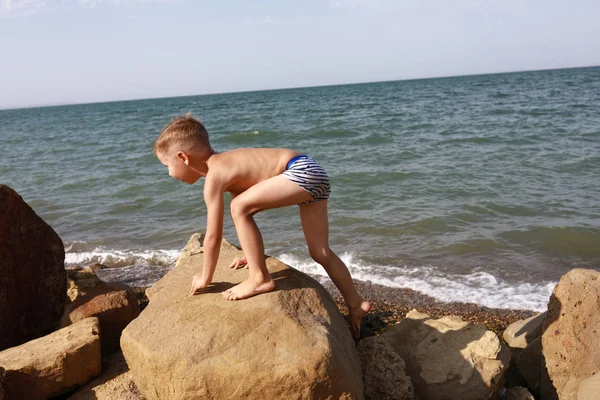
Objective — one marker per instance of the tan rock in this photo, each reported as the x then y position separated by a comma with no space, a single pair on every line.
52,364
115,383
570,344
114,304
520,333
384,375
289,343
449,358
518,336
518,393
32,272
529,365
589,388
84,282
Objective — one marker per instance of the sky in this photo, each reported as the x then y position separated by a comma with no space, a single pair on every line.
81,51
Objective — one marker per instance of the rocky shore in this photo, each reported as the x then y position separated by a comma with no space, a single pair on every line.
390,306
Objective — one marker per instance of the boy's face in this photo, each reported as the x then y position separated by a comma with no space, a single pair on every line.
178,165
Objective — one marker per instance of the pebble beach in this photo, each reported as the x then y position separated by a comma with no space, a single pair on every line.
390,305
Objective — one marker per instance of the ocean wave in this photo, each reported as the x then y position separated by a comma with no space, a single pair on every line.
144,268
477,287
118,258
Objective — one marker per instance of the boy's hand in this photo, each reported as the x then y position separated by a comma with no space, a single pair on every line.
198,283
239,262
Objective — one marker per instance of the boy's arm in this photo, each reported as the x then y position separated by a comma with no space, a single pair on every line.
213,197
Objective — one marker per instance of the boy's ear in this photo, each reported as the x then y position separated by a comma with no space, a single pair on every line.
183,157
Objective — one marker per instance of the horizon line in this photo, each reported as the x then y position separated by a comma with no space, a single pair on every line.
288,88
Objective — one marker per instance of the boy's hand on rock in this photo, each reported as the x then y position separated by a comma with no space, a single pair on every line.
198,283
239,262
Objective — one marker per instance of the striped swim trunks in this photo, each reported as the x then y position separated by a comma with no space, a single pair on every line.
310,176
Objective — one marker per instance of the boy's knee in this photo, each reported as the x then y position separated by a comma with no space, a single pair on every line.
320,255
238,208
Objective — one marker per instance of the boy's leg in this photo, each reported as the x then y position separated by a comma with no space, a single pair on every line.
315,225
274,192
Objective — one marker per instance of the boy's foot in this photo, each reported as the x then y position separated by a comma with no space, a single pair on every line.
355,315
248,288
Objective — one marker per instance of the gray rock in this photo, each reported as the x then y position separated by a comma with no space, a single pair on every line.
518,393
384,375
529,365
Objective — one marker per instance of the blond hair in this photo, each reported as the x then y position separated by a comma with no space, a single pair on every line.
186,131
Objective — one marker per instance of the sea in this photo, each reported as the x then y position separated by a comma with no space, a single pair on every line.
481,189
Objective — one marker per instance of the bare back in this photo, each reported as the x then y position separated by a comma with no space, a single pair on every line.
237,170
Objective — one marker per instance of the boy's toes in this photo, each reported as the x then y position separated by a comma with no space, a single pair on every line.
229,295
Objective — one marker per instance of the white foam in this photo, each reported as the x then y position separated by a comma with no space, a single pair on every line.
478,287
143,268
122,258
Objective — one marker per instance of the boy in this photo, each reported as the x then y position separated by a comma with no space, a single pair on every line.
258,179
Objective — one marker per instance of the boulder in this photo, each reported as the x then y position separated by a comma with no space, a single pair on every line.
384,375
114,304
589,388
518,393
529,365
289,343
32,272
519,334
52,364
114,383
2,373
570,345
449,358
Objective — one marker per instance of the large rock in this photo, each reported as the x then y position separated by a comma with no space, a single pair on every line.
518,393
529,365
290,343
53,364
115,383
571,331
114,304
449,358
589,389
2,373
384,375
32,272
519,334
